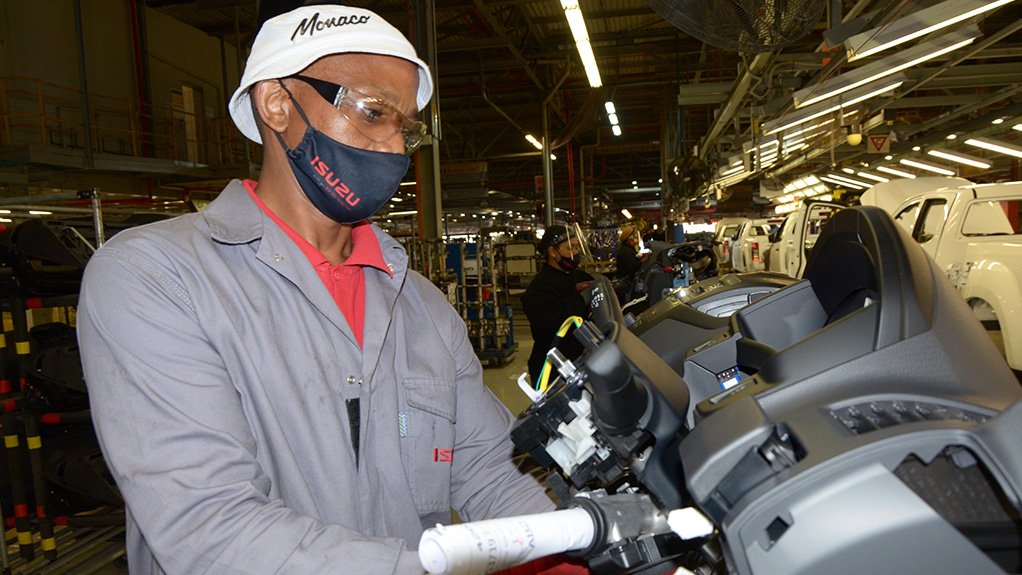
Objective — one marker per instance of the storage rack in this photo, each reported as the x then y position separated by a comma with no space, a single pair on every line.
44,413
482,300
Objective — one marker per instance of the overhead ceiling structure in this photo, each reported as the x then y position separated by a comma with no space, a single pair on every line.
698,124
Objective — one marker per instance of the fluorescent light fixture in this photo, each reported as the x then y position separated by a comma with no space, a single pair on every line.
824,108
396,199
610,107
806,182
6,220
916,25
626,213
927,167
842,184
5,211
960,158
612,118
553,157
406,184
573,12
532,140
888,158
883,68
1017,127
405,213
873,177
850,181
40,213
996,146
616,129
808,128
848,170
733,170
895,172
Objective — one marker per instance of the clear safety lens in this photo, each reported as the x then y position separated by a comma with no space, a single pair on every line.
373,117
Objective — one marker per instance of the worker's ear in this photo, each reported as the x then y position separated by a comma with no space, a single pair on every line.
271,105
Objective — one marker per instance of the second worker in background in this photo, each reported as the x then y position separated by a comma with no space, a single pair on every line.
554,295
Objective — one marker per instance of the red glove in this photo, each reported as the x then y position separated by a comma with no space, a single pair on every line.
552,565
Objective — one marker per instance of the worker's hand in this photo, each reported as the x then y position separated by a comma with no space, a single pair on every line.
581,286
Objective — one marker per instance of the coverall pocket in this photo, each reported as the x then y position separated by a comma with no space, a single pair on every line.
428,441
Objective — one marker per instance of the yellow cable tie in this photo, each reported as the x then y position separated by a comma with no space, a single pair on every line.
48,544
23,348
34,442
11,441
24,537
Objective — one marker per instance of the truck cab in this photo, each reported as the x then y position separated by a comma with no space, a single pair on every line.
724,237
796,236
973,234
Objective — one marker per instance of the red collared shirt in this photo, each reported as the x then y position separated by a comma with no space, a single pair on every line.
345,281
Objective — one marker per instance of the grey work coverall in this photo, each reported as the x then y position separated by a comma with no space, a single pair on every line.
218,367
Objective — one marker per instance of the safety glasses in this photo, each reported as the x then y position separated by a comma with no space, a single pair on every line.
372,117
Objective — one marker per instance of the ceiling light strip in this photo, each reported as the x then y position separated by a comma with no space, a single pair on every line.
873,177
842,184
577,23
895,172
849,181
927,167
883,68
826,108
960,158
917,25
996,146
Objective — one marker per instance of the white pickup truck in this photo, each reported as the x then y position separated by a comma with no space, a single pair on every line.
973,233
795,237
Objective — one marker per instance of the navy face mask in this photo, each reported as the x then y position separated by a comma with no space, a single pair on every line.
569,263
347,184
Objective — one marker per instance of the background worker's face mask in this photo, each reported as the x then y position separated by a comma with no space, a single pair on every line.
346,184
568,263
570,244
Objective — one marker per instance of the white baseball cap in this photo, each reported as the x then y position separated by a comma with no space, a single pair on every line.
289,43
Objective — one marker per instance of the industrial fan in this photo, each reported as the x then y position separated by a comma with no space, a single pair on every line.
743,25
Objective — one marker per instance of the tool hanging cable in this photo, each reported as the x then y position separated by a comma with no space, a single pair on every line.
544,374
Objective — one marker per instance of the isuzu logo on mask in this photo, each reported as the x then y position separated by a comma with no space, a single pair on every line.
336,177
334,182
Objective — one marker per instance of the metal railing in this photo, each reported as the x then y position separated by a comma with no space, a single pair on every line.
36,112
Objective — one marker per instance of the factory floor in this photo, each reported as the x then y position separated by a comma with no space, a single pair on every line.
503,380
